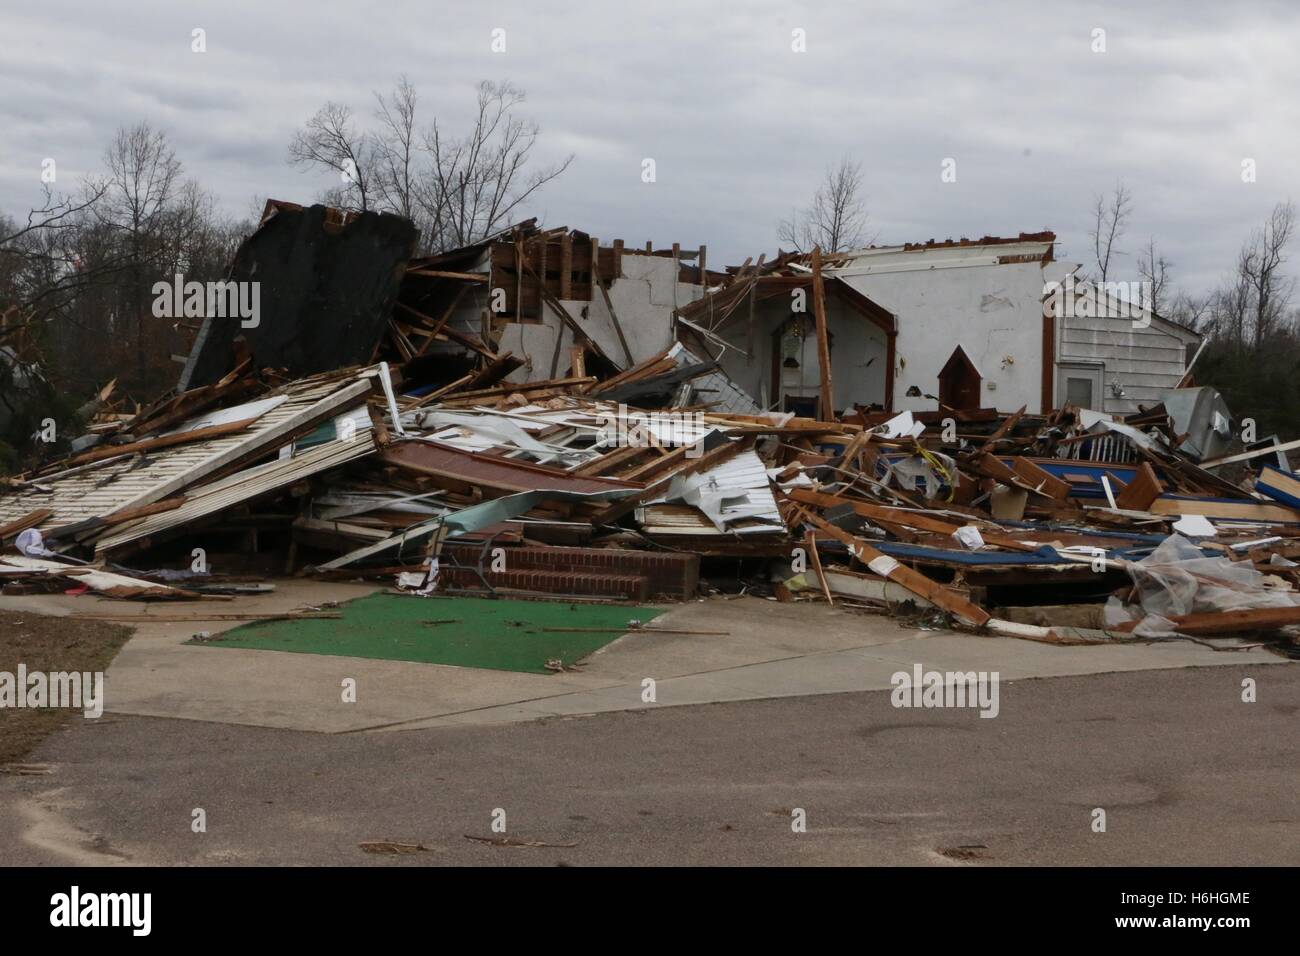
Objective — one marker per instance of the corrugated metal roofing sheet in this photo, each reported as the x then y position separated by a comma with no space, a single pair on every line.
245,485
132,481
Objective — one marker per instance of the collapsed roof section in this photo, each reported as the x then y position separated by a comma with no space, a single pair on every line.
326,282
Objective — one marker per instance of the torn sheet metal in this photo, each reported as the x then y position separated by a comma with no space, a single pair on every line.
1203,416
735,491
130,481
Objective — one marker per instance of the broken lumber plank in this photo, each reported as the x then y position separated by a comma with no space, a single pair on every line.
613,318
1247,455
200,616
1279,485
1221,508
440,274
1040,481
165,441
1228,622
914,581
817,566
1003,430
29,520
911,519
432,334
468,341
1143,489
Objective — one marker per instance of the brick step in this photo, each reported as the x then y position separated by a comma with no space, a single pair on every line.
672,574
630,587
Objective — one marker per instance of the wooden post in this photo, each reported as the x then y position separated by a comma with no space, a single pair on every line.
541,272
566,267
827,410
703,260
519,279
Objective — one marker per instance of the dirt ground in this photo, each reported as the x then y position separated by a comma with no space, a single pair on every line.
48,644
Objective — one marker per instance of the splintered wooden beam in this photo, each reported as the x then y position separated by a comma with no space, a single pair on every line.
817,566
1143,489
1041,481
916,582
437,274
1004,429
566,266
432,334
455,335
613,318
1228,622
827,409
165,441
910,519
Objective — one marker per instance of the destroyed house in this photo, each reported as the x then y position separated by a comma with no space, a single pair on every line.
594,412
546,302
960,325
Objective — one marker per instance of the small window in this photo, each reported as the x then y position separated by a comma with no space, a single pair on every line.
1078,391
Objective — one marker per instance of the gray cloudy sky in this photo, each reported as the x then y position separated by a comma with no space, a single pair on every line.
740,126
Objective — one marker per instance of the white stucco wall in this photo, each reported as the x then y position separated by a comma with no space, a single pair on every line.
994,312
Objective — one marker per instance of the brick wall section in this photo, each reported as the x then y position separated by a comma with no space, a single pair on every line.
626,587
671,574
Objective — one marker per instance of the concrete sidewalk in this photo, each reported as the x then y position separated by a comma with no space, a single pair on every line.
772,650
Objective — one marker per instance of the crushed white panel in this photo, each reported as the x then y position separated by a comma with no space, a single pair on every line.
902,425
1195,526
734,491
883,565
225,416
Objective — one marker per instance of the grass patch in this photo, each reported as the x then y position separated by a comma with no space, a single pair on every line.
49,644
464,631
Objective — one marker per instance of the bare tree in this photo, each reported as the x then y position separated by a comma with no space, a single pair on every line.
1258,268
40,268
457,189
476,183
55,212
395,147
330,140
143,183
837,218
1191,311
1109,223
1154,269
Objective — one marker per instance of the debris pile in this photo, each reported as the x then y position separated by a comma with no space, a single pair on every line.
443,464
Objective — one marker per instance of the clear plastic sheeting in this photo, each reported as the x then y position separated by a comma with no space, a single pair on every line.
1177,578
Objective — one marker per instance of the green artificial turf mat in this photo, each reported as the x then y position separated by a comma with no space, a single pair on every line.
500,635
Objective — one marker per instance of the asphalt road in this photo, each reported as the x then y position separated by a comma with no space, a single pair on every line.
1186,772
